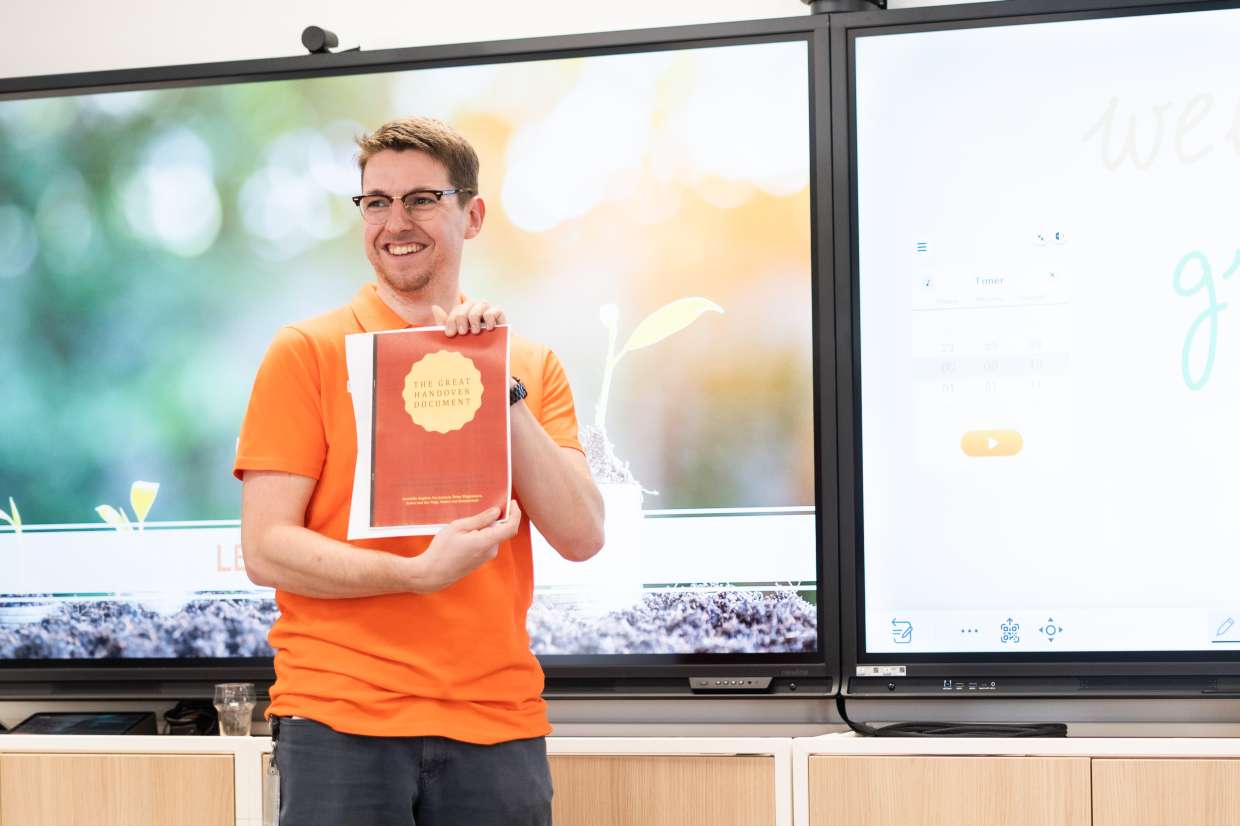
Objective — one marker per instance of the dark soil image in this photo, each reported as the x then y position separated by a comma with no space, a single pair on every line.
98,629
681,622
665,622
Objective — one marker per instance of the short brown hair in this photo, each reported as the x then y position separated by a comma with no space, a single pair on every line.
435,138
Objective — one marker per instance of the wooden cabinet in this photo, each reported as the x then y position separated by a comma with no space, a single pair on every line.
663,790
841,780
1166,792
832,780
949,791
67,780
116,790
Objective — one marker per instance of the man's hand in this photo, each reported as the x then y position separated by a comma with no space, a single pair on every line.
554,482
461,547
469,317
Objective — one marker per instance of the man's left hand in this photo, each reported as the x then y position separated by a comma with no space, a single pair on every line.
469,317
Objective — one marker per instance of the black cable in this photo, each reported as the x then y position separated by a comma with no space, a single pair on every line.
973,730
860,728
952,729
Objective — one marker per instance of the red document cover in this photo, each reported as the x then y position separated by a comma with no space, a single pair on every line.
440,431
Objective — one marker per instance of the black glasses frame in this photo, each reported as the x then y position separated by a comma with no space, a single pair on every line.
439,194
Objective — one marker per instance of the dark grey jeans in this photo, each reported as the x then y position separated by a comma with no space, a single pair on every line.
333,779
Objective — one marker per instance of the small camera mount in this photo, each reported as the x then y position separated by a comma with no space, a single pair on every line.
830,6
320,41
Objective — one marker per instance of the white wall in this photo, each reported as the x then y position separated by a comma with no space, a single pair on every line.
75,35
42,37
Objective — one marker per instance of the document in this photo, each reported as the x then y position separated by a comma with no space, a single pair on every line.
434,443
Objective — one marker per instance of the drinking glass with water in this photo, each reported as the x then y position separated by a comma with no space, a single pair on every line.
235,704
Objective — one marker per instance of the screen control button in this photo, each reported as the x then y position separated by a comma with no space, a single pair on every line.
982,443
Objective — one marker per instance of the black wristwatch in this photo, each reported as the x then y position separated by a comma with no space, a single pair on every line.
517,392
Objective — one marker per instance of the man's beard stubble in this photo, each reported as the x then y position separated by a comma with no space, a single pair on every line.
407,285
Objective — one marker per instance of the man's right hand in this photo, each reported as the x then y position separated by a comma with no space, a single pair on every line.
462,546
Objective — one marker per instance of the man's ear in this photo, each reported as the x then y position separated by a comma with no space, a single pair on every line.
477,212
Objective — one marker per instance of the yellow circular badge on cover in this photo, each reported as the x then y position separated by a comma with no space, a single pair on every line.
443,391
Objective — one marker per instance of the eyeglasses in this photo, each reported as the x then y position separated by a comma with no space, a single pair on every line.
419,204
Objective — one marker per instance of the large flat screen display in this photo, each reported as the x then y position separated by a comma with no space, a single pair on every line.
1048,271
649,219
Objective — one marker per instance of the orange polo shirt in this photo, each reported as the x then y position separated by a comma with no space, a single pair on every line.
455,663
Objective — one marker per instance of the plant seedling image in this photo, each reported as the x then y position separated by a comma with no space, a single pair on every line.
664,322
12,516
141,498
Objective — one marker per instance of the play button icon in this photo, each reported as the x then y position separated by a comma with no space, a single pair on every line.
986,443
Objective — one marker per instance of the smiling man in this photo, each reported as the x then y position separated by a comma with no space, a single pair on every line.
406,692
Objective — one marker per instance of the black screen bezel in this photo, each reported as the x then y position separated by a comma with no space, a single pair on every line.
1042,673
584,674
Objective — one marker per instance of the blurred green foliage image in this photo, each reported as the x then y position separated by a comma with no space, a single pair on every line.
153,241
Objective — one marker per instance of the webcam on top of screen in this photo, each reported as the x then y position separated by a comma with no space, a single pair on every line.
318,40
830,6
